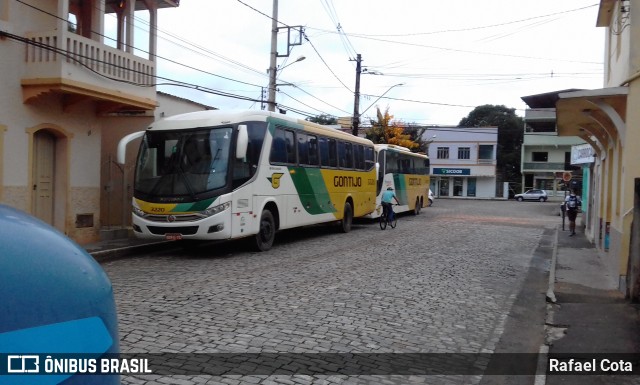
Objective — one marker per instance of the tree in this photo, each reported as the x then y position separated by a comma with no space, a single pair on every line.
323,119
510,135
386,130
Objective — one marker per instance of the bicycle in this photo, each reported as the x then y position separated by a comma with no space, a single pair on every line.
384,218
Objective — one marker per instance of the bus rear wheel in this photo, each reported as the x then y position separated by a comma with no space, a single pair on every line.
266,233
347,218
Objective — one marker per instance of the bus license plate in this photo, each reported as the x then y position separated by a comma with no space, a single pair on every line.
173,236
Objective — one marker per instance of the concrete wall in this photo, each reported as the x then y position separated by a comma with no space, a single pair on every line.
619,48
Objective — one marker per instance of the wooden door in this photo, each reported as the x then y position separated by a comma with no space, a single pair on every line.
43,175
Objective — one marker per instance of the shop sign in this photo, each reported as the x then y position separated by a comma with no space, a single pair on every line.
582,153
451,171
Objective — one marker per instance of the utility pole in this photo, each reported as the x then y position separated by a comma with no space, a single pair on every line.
356,103
271,101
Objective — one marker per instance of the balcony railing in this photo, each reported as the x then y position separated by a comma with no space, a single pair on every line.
90,66
546,166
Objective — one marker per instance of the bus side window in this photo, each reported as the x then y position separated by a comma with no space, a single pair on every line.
282,147
333,153
312,144
290,145
342,154
359,156
392,162
303,148
323,147
369,162
404,164
278,147
349,156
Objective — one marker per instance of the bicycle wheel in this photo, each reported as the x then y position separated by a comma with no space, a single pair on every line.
393,222
383,222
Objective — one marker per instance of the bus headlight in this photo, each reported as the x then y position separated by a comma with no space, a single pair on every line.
215,209
138,212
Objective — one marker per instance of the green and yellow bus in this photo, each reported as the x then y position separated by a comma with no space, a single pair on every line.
214,175
407,173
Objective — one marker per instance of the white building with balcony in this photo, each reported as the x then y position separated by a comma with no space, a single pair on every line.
63,83
546,157
463,161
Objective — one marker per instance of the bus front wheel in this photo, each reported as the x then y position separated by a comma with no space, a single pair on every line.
267,232
347,218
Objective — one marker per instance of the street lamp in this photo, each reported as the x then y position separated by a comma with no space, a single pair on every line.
380,97
301,58
271,101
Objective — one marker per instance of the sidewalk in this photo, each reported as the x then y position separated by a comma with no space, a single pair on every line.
590,314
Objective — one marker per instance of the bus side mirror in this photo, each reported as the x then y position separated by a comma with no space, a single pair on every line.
242,142
377,168
122,145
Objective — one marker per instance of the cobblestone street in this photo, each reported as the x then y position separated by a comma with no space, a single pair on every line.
441,282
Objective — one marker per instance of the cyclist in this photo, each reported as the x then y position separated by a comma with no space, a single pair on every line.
387,209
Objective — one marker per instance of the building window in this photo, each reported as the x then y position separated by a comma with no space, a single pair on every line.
540,156
457,186
443,153
485,151
464,153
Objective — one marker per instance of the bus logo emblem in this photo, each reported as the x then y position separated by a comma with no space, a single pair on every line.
275,179
171,218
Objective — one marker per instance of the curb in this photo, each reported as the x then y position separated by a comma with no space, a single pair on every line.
120,252
541,369
551,297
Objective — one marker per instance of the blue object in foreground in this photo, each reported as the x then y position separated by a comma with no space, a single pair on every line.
54,298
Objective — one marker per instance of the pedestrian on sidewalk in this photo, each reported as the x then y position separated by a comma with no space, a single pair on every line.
572,205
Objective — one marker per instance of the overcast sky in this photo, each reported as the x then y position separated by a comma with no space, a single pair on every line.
450,56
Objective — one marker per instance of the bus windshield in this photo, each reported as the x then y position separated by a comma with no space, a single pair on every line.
184,162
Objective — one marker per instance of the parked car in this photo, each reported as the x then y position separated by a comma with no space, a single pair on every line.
532,195
431,197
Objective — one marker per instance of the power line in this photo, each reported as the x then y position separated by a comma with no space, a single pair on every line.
419,101
325,63
304,104
173,82
262,13
473,52
142,50
330,105
201,50
306,38
333,15
464,29
493,77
